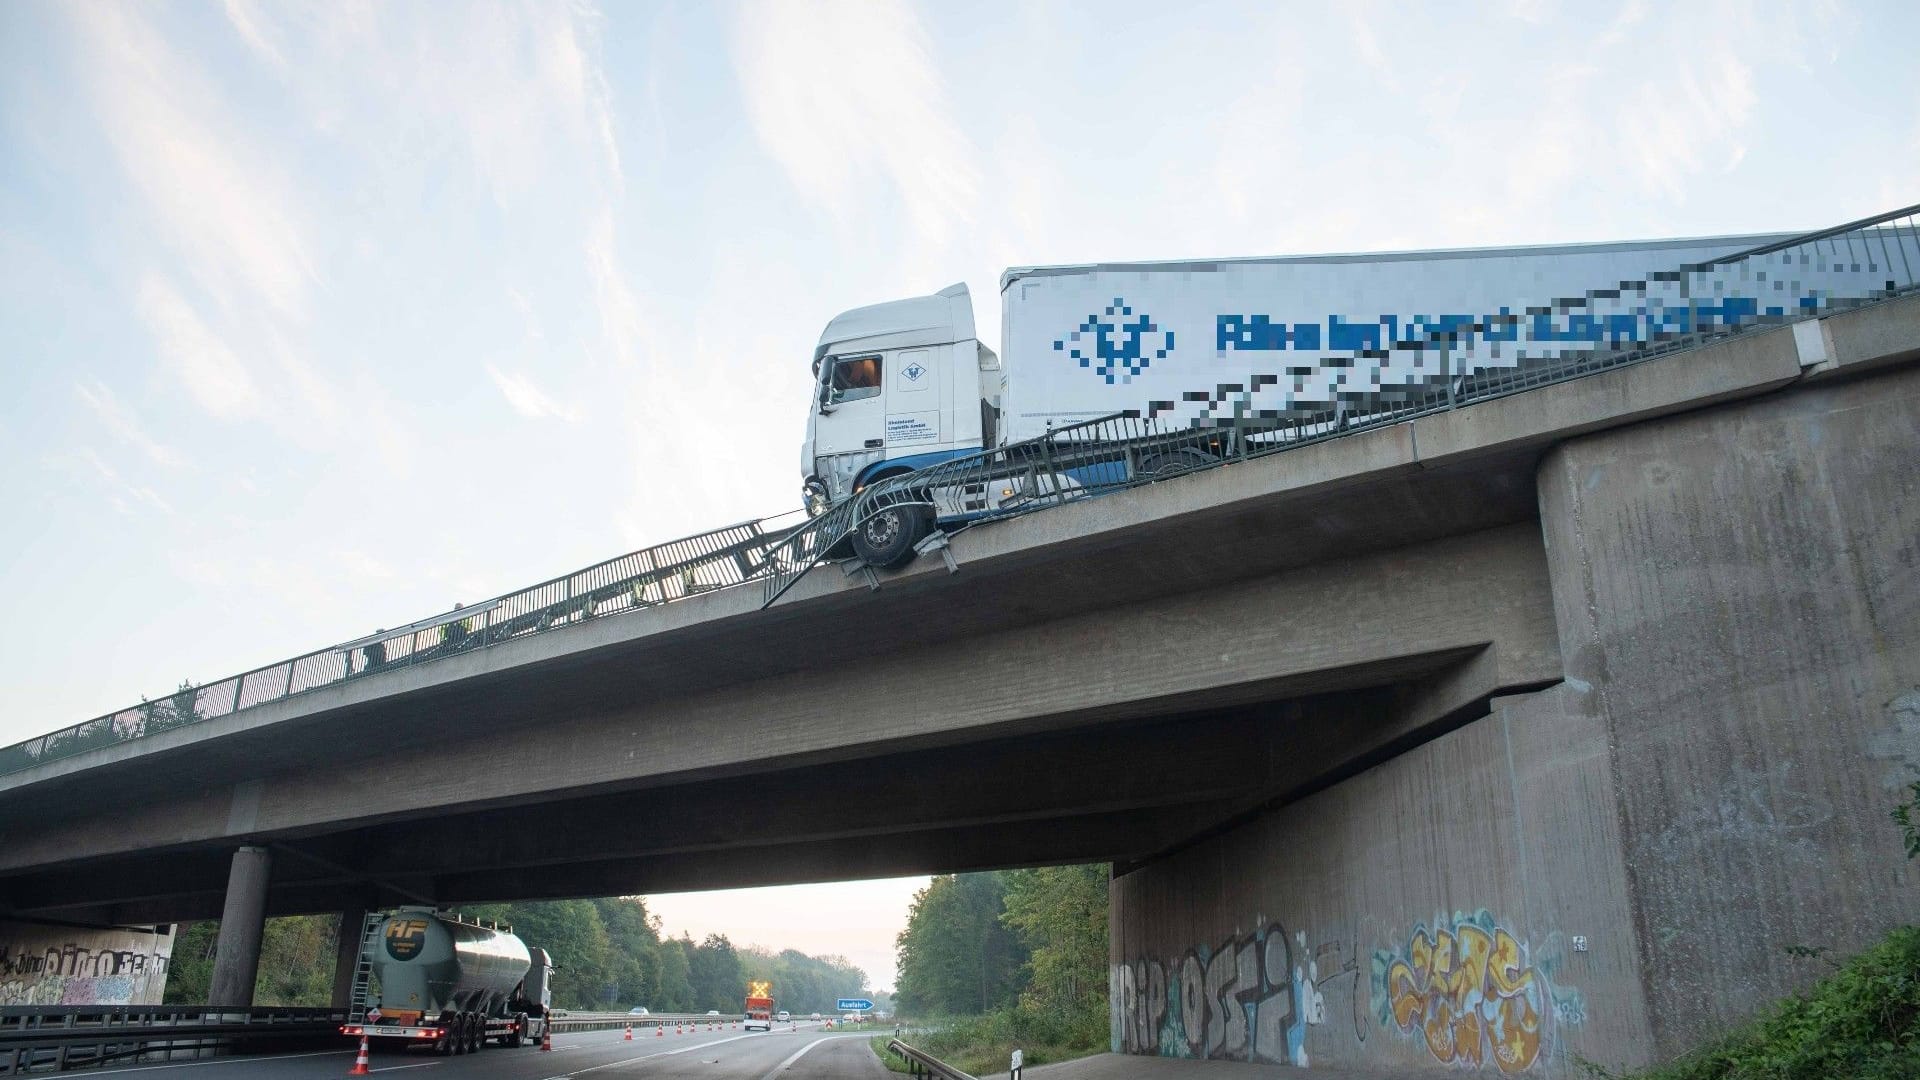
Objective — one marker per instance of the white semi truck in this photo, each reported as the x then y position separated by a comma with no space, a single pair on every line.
453,984
1235,344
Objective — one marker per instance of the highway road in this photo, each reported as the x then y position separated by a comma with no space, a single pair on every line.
804,1052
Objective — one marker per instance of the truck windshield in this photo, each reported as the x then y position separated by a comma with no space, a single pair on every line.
854,377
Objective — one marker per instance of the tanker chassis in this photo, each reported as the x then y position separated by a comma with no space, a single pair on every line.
453,984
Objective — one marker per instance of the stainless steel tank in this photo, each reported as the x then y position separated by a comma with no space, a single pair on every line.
432,963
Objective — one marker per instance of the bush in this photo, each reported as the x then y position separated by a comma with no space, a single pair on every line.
982,1044
1860,1023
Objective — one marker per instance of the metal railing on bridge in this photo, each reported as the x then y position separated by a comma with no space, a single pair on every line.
1470,360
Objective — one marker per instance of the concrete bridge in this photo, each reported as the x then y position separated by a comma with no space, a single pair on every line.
1592,695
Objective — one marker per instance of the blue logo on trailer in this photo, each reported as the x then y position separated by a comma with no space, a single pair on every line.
913,372
1117,344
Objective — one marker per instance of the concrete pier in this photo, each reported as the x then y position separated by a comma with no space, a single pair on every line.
236,960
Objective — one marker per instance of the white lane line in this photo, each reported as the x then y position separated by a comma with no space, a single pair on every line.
800,1053
646,1057
397,1068
216,1061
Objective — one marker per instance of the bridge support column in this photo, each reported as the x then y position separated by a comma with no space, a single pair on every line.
346,955
236,959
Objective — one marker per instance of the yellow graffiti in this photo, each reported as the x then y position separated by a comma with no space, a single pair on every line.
1468,991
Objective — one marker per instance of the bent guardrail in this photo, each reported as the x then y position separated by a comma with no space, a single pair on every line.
1445,363
1463,360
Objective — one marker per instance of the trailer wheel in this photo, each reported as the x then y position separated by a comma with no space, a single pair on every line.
1173,463
518,1035
886,539
476,1033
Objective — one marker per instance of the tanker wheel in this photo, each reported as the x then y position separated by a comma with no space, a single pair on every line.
512,1039
476,1033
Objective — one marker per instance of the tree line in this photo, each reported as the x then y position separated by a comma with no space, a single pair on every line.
1034,941
608,955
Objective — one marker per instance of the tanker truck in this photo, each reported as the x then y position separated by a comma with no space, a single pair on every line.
1242,348
453,983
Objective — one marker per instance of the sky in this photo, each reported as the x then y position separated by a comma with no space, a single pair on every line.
320,318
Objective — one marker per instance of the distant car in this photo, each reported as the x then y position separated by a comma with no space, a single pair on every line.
784,1017
815,1016
638,1010
713,1012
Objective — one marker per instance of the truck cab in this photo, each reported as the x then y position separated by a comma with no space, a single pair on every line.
897,387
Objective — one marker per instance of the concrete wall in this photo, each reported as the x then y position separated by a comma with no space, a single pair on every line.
56,965
1738,594
1340,929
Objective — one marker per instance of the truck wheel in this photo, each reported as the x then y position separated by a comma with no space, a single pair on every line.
1173,463
886,539
518,1035
476,1033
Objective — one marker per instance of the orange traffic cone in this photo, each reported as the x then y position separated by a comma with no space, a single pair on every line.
629,1033
360,1062
659,1031
679,1029
546,1034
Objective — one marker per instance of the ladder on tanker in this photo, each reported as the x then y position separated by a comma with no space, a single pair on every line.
363,967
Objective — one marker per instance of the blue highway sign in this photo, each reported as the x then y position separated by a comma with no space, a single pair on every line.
854,1005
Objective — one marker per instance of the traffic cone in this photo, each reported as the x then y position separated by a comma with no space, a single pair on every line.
546,1034
360,1062
678,1029
629,1033
659,1031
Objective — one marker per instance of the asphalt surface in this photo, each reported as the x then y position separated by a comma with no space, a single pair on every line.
802,1052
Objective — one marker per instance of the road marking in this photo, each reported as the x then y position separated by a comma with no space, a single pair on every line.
216,1061
645,1057
798,1054
397,1068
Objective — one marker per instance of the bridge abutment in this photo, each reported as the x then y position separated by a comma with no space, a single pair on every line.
236,960
346,955
1608,869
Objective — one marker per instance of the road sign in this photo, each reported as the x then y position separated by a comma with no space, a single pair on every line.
854,1005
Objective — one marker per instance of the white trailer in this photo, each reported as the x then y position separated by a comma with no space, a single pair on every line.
1232,343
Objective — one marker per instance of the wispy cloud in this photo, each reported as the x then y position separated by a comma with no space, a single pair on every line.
837,91
212,374
230,218
125,496
529,400
120,420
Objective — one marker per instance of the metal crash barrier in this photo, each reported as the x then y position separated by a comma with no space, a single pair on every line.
922,1063
52,1038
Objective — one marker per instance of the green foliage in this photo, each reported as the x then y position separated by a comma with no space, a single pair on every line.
956,956
296,962
1860,1023
608,956
1060,915
982,1045
806,984
718,978
1904,814
1018,959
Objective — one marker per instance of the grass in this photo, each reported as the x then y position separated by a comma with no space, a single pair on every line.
982,1045
1860,1023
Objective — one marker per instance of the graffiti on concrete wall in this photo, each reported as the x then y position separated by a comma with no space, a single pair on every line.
1472,993
1250,998
41,965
